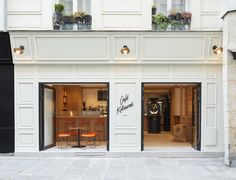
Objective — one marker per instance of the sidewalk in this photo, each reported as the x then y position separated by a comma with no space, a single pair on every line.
40,168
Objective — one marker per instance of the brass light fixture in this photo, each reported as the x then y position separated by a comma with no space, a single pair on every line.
19,50
217,50
125,50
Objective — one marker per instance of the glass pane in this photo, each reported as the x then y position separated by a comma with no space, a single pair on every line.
178,5
84,6
161,6
68,6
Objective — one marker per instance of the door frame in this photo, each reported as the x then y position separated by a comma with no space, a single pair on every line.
41,107
198,84
41,117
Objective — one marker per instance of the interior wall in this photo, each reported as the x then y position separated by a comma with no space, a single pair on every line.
91,98
75,100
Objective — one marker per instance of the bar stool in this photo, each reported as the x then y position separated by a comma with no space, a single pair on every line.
61,137
90,137
100,130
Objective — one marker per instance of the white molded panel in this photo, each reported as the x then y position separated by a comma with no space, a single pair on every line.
128,21
26,139
211,137
122,6
22,21
209,6
156,70
26,117
25,93
125,139
187,71
211,22
88,70
125,70
23,6
215,41
211,117
211,93
130,42
55,71
22,41
25,71
125,102
211,72
173,47
71,47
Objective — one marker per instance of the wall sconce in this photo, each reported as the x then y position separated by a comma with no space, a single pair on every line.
217,50
19,50
125,50
233,51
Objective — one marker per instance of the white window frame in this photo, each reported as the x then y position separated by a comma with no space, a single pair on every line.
169,5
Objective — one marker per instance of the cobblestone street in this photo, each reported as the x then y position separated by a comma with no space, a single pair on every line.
114,168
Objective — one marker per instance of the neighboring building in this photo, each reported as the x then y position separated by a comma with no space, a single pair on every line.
177,71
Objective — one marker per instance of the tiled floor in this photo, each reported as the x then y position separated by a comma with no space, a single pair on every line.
163,142
17,168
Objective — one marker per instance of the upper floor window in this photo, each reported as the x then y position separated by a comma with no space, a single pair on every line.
72,6
163,6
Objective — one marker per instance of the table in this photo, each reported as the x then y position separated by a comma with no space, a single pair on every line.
79,129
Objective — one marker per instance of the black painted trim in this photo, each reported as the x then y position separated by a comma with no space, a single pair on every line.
42,84
199,84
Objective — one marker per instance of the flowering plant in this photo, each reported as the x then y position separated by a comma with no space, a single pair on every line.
79,16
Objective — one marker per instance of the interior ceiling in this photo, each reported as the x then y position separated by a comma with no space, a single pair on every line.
165,86
82,85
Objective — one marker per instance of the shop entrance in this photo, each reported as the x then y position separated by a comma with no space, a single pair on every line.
171,115
74,117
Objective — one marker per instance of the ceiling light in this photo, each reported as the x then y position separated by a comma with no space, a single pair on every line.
125,50
217,50
19,50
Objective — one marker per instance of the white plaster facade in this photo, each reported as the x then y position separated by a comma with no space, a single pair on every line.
42,61
150,60
110,14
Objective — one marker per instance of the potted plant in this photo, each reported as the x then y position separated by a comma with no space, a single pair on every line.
186,17
57,18
79,17
68,22
154,9
161,21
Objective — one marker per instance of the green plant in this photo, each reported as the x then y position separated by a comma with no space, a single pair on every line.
59,7
161,20
154,6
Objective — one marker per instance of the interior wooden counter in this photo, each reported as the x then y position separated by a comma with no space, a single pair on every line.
81,117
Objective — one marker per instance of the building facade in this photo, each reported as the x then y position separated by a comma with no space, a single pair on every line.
176,62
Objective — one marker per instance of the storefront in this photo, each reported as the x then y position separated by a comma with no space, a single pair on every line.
127,62
6,95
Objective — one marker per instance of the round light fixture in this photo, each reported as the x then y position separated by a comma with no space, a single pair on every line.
217,50
19,50
125,50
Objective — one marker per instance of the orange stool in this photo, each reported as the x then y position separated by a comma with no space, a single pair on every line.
63,136
91,138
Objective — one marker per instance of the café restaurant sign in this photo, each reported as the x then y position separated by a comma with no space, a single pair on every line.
124,104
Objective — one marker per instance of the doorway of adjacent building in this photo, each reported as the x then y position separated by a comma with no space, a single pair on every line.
171,116
74,117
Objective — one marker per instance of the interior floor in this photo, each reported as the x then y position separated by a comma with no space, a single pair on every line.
63,147
163,141
168,117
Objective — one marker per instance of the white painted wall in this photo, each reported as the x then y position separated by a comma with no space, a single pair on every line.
2,15
111,14
192,62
